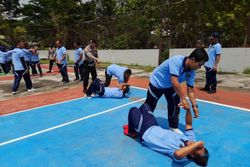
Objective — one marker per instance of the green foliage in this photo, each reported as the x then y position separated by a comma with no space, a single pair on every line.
246,70
127,24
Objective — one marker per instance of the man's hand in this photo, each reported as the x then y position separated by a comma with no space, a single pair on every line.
184,104
27,71
214,68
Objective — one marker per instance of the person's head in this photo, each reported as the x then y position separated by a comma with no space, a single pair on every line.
196,59
214,38
20,44
58,43
199,156
199,44
125,89
77,44
93,43
127,74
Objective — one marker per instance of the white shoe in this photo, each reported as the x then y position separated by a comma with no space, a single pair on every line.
176,130
14,93
31,90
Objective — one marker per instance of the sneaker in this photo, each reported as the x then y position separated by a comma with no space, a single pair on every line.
14,93
176,130
31,90
48,71
76,79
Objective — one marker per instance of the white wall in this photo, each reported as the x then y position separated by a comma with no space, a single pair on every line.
146,57
232,59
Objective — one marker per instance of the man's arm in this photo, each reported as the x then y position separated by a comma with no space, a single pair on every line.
178,90
87,51
80,58
191,95
184,151
217,60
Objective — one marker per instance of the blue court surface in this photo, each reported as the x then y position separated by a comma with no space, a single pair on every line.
88,132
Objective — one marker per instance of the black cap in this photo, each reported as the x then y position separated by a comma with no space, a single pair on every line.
214,35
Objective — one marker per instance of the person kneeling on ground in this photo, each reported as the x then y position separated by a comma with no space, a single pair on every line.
180,147
97,87
121,73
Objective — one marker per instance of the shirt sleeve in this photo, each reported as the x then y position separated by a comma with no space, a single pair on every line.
64,51
191,80
190,135
217,50
174,67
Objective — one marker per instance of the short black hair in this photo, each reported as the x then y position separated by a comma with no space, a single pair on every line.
199,54
128,71
200,160
125,90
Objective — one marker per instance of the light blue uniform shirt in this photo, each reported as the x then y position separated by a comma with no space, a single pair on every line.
174,66
2,57
117,71
213,52
59,54
113,92
17,54
166,141
27,55
34,58
77,54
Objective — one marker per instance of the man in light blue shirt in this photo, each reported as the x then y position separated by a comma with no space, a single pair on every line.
78,61
35,61
166,79
20,68
62,61
3,59
97,87
121,73
180,147
211,66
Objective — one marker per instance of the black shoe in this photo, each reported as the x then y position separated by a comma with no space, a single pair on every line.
48,71
212,91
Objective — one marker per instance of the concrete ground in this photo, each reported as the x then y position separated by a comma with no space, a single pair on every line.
52,82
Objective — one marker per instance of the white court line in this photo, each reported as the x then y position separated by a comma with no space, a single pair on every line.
210,102
67,123
22,111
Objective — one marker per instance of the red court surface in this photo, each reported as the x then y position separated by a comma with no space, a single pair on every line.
228,97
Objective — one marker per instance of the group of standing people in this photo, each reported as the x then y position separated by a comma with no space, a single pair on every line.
21,58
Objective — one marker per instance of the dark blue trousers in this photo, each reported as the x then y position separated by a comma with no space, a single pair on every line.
78,70
211,80
64,72
5,68
96,87
17,78
154,94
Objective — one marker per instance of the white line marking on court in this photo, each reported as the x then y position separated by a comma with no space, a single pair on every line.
210,102
67,123
22,111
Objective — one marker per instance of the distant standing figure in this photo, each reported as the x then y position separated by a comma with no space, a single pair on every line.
62,61
78,62
20,69
121,73
51,56
35,61
211,66
89,63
